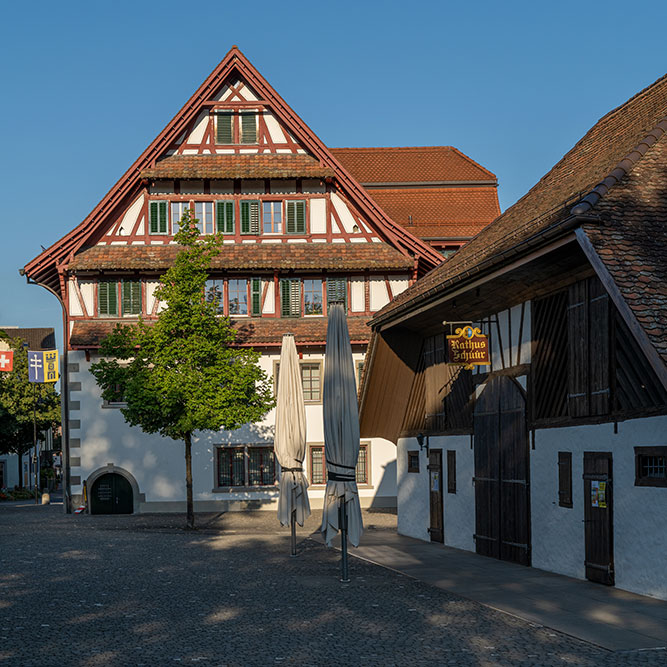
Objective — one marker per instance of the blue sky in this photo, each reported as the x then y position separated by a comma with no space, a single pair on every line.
86,86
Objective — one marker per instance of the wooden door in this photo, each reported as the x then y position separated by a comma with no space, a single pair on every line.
598,517
436,529
111,494
502,491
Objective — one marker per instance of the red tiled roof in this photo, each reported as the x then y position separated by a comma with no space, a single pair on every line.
251,256
257,165
410,164
39,338
632,241
440,212
552,200
256,331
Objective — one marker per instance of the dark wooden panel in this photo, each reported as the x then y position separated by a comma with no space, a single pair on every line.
436,529
565,479
598,517
577,320
598,348
451,471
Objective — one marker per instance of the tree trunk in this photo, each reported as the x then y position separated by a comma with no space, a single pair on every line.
190,515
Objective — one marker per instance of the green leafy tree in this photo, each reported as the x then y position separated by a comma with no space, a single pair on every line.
18,397
182,374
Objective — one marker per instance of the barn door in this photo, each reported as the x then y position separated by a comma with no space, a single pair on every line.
436,529
502,500
598,517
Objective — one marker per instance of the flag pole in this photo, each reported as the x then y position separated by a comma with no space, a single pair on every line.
34,437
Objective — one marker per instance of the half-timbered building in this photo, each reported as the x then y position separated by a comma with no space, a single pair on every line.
300,233
555,453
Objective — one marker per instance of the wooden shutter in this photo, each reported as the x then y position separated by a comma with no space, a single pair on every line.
577,319
249,217
224,216
223,133
451,471
337,291
248,127
131,297
290,297
296,217
153,215
565,479
598,347
107,297
162,227
255,296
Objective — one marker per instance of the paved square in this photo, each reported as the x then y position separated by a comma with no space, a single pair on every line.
139,590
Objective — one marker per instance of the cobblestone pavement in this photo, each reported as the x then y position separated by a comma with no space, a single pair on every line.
140,590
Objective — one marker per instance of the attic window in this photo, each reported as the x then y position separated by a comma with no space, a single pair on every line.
236,128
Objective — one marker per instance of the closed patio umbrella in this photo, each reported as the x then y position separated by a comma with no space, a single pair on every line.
342,510
290,440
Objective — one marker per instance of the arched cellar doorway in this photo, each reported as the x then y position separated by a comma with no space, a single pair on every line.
111,493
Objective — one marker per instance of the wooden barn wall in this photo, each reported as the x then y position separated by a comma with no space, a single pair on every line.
395,362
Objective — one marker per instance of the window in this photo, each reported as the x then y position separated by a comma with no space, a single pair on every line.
238,296
318,470
312,297
272,217
413,461
360,372
214,293
256,297
131,294
224,217
177,210
157,216
337,292
290,297
248,127
204,216
107,298
311,380
223,128
651,466
246,465
565,479
117,400
451,471
295,217
249,217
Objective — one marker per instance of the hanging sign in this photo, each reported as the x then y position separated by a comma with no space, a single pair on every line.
6,360
43,365
468,347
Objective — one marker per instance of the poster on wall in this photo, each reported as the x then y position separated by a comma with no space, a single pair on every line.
598,494
435,481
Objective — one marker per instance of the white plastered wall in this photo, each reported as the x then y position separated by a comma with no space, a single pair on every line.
640,539
318,216
100,436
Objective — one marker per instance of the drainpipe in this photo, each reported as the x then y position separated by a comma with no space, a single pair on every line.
64,399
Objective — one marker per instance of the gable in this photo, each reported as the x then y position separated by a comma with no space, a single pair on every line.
231,86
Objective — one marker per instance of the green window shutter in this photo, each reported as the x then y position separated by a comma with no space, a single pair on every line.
153,215
300,217
163,217
296,217
223,132
131,291
248,127
336,292
290,297
107,297
224,216
249,217
255,296
284,297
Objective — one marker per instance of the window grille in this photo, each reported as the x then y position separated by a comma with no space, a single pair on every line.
651,466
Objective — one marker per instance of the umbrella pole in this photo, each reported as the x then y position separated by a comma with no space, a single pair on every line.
342,521
293,522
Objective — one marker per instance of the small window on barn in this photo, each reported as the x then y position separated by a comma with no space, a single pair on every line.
565,479
651,466
451,471
413,461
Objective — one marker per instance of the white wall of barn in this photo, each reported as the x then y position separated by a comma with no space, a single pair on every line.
100,436
640,538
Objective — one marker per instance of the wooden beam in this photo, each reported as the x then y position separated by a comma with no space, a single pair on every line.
654,359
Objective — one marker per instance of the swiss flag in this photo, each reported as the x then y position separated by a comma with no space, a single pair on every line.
6,360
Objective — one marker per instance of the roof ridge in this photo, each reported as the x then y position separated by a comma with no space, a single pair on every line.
624,167
391,148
